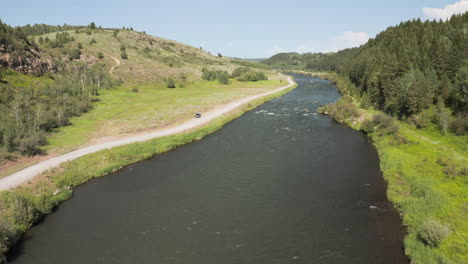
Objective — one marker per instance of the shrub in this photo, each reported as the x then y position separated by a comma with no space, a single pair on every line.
341,110
170,83
239,71
124,55
79,45
424,118
146,50
92,41
209,75
30,145
252,77
122,47
223,77
433,233
74,54
135,90
115,32
368,126
459,126
100,55
385,124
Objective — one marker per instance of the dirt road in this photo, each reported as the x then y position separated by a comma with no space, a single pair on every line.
28,173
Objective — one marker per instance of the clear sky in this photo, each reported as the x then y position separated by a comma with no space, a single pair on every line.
238,28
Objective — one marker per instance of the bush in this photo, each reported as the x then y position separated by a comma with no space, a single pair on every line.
341,110
223,77
368,126
74,54
424,118
146,50
123,54
30,145
209,75
459,126
92,41
239,71
170,83
385,124
433,233
79,45
100,55
252,77
122,47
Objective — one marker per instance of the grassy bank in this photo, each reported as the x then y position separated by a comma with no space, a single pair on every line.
427,177
22,207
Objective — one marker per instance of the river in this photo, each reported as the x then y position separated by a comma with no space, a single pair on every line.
281,184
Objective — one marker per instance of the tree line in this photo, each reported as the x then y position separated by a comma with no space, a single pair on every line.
27,113
416,71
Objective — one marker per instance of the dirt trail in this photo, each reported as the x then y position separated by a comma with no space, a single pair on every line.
117,63
29,173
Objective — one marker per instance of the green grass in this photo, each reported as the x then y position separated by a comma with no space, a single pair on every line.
27,204
122,111
421,190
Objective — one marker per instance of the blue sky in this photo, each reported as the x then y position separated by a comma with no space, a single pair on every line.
248,29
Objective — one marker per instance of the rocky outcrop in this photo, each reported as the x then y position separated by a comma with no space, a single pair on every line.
30,61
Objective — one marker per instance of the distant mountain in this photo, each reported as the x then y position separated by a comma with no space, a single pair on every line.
292,60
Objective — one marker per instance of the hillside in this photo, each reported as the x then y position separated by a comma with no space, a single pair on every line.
19,53
293,60
407,71
109,83
407,90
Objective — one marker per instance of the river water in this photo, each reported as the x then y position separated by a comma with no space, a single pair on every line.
281,184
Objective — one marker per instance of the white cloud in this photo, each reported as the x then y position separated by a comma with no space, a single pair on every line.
446,12
348,39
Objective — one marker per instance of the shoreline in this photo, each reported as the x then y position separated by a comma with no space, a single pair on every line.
28,173
403,159
54,186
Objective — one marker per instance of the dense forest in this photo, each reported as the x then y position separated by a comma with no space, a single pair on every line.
416,71
31,105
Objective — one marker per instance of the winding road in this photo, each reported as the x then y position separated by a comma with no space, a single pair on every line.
29,173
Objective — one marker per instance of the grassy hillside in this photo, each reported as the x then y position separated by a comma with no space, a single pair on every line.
145,66
150,59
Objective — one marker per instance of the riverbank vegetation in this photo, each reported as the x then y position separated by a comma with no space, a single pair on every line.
426,171
416,72
27,204
30,107
407,89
